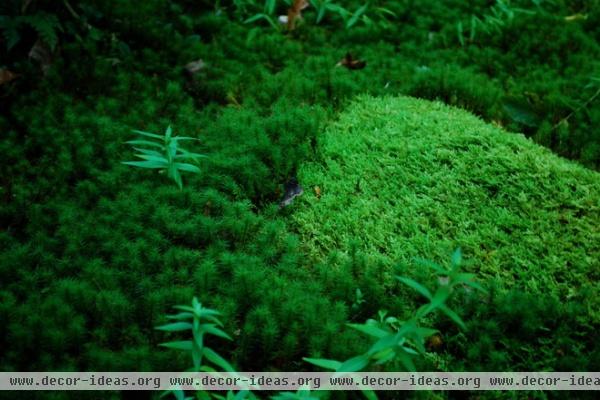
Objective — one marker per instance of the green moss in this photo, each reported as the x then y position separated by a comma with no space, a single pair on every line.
93,254
412,178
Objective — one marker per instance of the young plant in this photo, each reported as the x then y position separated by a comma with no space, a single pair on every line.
321,7
501,14
394,340
399,341
350,19
266,14
301,394
201,321
164,153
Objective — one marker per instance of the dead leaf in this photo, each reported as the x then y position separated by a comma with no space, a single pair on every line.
318,192
434,342
41,53
576,17
349,62
192,68
6,76
207,208
295,13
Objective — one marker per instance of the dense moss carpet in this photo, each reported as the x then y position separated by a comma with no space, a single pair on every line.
408,178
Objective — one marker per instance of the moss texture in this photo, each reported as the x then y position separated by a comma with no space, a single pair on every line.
411,178
93,253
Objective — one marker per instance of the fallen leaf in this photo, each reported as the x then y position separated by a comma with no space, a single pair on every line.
41,53
7,76
576,17
522,113
434,342
192,68
349,62
318,192
295,13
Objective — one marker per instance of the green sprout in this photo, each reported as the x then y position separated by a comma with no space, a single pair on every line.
164,153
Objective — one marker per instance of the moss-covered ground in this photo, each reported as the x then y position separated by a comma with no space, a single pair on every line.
398,179
94,253
411,179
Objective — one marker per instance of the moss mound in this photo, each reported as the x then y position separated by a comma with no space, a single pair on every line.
409,178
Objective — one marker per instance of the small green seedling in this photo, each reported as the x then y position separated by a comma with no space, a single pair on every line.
164,153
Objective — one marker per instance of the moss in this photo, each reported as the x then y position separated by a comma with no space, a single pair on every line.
104,251
412,178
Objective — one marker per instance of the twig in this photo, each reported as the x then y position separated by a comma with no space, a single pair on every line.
565,119
75,15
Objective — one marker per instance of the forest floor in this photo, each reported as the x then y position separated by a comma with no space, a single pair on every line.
94,252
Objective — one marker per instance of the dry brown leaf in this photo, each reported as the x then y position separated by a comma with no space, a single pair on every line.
6,76
295,13
434,342
318,192
349,62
